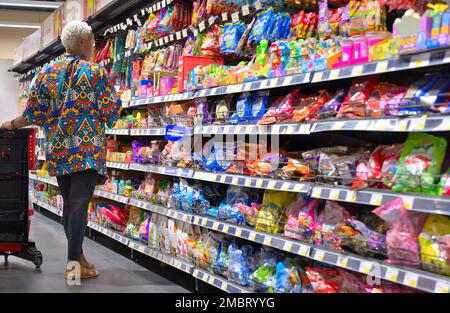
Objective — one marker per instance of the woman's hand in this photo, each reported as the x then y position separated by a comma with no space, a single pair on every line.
8,126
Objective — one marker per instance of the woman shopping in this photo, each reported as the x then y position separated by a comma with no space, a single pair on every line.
73,99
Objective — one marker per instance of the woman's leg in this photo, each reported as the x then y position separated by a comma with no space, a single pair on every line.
64,186
82,186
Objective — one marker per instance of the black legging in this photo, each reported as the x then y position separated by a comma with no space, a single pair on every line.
77,190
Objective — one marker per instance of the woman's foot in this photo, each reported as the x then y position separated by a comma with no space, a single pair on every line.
85,263
85,273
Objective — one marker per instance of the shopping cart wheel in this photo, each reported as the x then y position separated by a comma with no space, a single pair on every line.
37,260
34,255
6,259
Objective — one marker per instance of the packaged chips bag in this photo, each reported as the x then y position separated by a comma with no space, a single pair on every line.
272,212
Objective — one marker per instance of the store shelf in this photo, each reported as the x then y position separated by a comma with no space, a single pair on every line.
422,280
122,131
154,131
262,84
112,196
253,182
120,166
47,180
377,197
170,260
178,215
162,99
399,63
110,233
164,170
385,124
47,206
219,282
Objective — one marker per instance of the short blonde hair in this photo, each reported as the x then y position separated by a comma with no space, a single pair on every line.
72,32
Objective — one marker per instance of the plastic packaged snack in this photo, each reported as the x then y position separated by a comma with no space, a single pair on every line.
330,216
272,211
355,102
332,106
288,279
259,104
232,34
420,163
243,109
444,185
238,263
264,277
404,226
322,279
434,247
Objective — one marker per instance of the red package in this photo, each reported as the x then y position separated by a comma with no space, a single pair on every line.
322,279
335,20
280,111
296,23
368,172
355,102
391,157
373,106
323,97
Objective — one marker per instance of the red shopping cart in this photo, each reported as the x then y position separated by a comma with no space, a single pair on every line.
16,159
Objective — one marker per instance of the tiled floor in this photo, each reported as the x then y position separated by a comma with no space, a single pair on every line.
118,273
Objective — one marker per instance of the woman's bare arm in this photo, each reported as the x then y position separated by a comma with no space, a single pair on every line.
18,122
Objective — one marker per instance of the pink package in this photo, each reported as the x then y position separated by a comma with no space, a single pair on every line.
401,237
166,84
304,227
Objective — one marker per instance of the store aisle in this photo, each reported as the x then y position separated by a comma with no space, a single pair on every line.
118,274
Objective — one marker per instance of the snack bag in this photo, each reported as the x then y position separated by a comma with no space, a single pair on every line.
355,102
238,263
287,277
272,211
322,279
434,248
330,216
401,237
263,279
444,186
420,163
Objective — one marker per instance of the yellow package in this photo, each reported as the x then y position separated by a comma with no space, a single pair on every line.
273,207
432,252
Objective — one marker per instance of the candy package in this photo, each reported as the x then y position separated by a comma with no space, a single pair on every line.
287,277
435,244
272,211
330,216
238,263
420,163
263,279
444,185
332,106
232,34
144,230
322,279
281,110
221,264
228,209
354,104
243,109
404,226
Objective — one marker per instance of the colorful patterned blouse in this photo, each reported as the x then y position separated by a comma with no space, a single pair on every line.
73,100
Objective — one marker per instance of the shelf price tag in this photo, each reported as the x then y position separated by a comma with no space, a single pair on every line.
402,125
316,193
267,241
305,129
382,66
365,267
238,232
376,199
441,287
215,226
245,10
408,202
235,17
258,5
411,279
338,125
185,33
252,236
334,194
392,274
178,35
304,250
420,60
357,70
334,74
225,17
417,123
225,229
201,26
343,261
287,246
320,255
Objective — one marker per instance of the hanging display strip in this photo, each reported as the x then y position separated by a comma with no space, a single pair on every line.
178,215
41,156
175,262
50,181
418,60
111,196
219,282
154,131
256,85
110,233
122,131
413,278
121,166
414,202
162,99
47,206
164,170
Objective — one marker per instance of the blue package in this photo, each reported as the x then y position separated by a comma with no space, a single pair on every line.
287,277
238,263
259,105
200,203
186,196
261,27
176,196
232,33
228,210
221,266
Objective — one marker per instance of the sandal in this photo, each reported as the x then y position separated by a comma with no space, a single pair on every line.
85,273
84,262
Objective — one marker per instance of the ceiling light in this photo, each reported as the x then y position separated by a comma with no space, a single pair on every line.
14,25
30,4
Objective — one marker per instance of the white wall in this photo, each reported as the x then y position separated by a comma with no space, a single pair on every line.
9,92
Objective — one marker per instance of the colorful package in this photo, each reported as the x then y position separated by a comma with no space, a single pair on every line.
273,207
327,219
231,35
444,185
263,279
238,263
420,163
401,237
287,277
434,248
355,101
